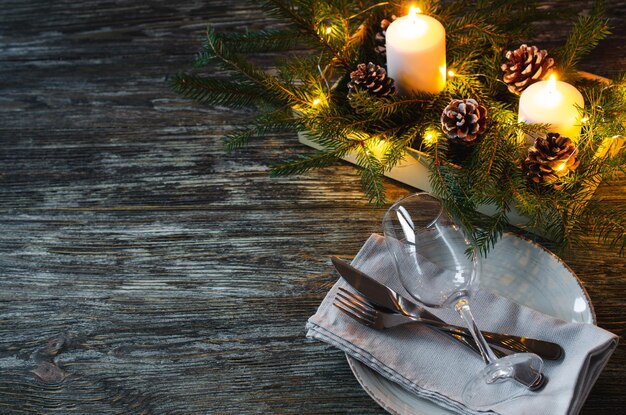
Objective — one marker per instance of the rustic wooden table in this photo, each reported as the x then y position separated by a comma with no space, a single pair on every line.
143,269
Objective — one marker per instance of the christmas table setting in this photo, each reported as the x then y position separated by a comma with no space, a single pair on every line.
292,206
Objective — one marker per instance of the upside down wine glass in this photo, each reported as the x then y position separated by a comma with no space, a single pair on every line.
429,252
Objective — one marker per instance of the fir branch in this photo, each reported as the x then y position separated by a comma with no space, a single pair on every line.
371,170
445,185
367,9
608,224
212,91
397,149
247,70
587,32
264,124
270,40
303,163
307,24
487,236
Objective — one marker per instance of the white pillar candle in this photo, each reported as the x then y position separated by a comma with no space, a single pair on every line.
416,53
553,102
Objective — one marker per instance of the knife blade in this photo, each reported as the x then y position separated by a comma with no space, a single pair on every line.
377,292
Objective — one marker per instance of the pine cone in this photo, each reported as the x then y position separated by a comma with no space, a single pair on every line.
463,120
373,79
525,66
550,158
381,36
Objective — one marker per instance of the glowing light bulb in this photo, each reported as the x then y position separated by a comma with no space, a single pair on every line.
451,73
429,138
584,120
329,30
316,101
560,166
377,147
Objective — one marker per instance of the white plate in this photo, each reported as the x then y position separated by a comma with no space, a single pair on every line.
518,269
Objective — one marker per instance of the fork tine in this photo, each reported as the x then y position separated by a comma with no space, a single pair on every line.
354,305
356,317
353,309
359,301
358,296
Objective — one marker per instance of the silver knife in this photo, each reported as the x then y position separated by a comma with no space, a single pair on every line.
379,293
384,296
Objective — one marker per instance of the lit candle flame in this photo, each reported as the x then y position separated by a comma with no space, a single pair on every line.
413,11
552,84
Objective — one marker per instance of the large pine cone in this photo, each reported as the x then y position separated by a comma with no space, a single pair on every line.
550,158
525,66
463,120
373,79
381,36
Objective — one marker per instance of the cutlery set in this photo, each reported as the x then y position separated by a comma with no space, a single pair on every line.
376,305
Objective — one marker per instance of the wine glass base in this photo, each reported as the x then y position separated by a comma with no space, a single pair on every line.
507,378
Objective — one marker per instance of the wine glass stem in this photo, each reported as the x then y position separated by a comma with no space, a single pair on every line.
463,308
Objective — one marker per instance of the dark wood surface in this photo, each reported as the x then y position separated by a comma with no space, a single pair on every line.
142,269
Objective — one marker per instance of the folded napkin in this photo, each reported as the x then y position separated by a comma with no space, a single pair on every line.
435,367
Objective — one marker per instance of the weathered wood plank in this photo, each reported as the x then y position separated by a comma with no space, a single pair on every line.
143,269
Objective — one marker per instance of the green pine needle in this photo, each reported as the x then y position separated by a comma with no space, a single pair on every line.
212,91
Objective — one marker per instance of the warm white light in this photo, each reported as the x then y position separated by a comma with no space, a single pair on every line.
553,102
413,11
551,97
451,73
418,26
551,87
428,137
560,166
584,120
377,147
316,101
329,30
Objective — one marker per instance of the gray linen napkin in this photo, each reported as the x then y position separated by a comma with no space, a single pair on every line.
437,368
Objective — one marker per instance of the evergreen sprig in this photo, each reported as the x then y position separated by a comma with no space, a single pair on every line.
307,91
587,32
217,91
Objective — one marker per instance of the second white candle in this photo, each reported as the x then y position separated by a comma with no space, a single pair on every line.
416,53
553,102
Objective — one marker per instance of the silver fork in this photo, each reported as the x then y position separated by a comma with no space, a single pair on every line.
370,317
362,310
